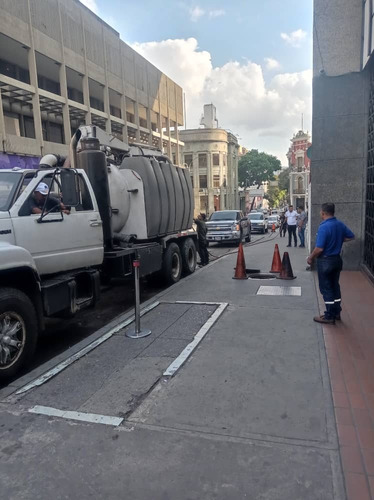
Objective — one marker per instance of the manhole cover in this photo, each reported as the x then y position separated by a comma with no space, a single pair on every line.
261,276
280,290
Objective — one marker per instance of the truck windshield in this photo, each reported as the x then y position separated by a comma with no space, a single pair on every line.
256,217
229,215
9,182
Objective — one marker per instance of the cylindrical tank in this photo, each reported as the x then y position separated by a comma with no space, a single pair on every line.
119,198
93,162
168,194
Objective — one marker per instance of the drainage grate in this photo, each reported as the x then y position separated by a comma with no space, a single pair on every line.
279,290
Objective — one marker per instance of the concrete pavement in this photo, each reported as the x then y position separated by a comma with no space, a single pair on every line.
249,416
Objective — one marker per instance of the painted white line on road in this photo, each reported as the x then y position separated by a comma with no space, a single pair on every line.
64,364
188,350
76,415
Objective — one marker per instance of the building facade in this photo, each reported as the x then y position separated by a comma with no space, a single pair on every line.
61,66
342,169
299,165
212,157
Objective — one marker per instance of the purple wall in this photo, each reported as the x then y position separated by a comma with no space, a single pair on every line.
10,161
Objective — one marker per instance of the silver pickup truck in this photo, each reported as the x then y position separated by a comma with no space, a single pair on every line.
228,226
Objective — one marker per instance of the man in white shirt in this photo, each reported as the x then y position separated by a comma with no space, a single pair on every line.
291,217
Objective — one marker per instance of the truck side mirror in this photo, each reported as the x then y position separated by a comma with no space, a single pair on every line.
69,186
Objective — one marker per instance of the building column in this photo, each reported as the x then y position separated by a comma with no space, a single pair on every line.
196,182
85,84
136,107
210,183
2,126
65,106
108,125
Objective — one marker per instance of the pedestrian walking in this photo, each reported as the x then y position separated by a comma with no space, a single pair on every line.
301,225
283,224
291,218
201,237
332,233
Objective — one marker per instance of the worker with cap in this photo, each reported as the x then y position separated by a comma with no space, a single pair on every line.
40,198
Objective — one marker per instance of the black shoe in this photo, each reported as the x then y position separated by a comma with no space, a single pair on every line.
289,246
301,246
295,246
199,264
338,317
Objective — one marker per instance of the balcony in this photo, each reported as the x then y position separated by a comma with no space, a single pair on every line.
298,191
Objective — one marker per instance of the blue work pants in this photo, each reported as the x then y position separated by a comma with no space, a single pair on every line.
329,269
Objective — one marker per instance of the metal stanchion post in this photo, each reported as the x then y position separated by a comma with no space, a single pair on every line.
137,333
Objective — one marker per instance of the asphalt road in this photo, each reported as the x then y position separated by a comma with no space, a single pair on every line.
117,299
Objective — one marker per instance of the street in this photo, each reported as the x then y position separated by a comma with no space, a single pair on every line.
248,414
116,299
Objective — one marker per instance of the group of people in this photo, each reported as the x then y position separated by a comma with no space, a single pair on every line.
292,221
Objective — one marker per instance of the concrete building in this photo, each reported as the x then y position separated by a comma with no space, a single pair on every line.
299,165
342,168
211,154
61,66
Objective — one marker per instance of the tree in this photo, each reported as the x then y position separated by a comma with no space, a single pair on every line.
284,180
276,197
257,167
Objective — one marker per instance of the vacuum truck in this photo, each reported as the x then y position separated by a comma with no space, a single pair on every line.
103,207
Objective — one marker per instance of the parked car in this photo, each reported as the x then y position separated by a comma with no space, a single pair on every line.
273,219
258,223
228,226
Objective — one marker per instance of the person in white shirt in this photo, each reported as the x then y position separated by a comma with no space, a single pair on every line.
291,217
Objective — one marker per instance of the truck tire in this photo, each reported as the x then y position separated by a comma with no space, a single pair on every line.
188,252
172,264
18,331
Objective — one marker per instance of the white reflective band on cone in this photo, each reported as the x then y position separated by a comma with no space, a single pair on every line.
329,303
338,300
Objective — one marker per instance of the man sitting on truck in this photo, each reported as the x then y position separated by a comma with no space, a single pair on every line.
38,199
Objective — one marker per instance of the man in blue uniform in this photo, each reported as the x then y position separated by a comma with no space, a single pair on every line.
332,233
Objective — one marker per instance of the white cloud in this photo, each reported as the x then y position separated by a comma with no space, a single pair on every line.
217,13
264,114
271,63
92,5
295,38
196,13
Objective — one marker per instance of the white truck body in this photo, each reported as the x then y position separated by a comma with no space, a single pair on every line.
51,263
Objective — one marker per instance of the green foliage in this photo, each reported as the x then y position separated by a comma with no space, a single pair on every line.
284,180
276,197
256,167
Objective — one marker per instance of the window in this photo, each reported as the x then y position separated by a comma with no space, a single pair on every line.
203,181
85,197
300,184
191,177
300,164
203,160
216,181
216,160
224,160
188,160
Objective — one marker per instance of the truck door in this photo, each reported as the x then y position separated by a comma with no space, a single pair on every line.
60,242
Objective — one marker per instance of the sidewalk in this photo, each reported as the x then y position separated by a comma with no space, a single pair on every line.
350,353
249,416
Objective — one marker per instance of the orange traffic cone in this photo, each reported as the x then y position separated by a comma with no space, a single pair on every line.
286,272
276,265
273,228
240,273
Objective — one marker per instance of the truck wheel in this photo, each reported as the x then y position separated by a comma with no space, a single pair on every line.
172,264
18,331
188,252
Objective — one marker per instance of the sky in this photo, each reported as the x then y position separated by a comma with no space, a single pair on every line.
251,58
